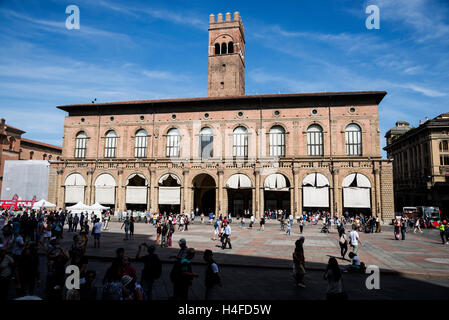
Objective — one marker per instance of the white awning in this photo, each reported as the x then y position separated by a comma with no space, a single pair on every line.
136,195
165,176
105,195
315,197
75,179
105,180
275,182
356,197
170,195
74,194
356,180
316,180
137,174
238,181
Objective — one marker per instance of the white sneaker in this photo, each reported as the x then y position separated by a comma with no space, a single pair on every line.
302,285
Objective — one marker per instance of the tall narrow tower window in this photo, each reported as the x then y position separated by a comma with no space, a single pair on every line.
231,47
217,48
224,49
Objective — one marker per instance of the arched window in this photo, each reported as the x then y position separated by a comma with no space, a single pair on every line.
217,48
206,143
173,139
110,144
231,47
80,145
224,49
240,147
31,155
140,149
353,137
315,140
277,141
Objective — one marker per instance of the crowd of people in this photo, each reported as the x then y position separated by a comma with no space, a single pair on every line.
30,234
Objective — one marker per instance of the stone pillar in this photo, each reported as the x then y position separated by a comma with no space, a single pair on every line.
376,199
120,194
148,199
297,193
261,198
253,202
256,193
186,188
153,182
220,191
337,194
89,195
60,194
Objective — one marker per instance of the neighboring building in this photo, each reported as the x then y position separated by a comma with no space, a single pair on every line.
420,163
228,152
14,147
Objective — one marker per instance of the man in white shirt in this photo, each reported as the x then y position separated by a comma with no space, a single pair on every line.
97,233
227,237
354,239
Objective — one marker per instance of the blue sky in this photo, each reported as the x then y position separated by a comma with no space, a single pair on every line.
129,49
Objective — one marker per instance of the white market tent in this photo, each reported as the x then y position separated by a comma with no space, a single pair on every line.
79,207
43,204
98,207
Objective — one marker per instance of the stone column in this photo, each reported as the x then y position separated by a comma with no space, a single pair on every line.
256,193
261,199
186,188
89,195
297,193
337,197
60,194
120,194
220,191
153,208
376,199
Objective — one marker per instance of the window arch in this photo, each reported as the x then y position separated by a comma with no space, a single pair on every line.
80,145
140,148
110,145
224,48
353,138
277,141
315,140
231,47
173,140
217,48
206,143
240,146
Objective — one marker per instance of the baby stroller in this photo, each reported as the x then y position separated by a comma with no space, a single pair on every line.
324,229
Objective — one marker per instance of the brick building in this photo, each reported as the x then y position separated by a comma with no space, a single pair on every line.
420,163
228,152
15,147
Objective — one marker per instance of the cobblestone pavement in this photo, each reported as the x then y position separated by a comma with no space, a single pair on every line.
420,254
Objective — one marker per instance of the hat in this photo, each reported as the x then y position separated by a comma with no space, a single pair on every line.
126,280
182,241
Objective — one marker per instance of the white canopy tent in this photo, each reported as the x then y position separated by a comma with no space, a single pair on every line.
315,188
79,207
356,191
42,204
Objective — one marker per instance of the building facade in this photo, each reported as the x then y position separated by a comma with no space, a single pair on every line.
228,152
420,163
15,147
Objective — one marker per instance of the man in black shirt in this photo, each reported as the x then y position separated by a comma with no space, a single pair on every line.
152,268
